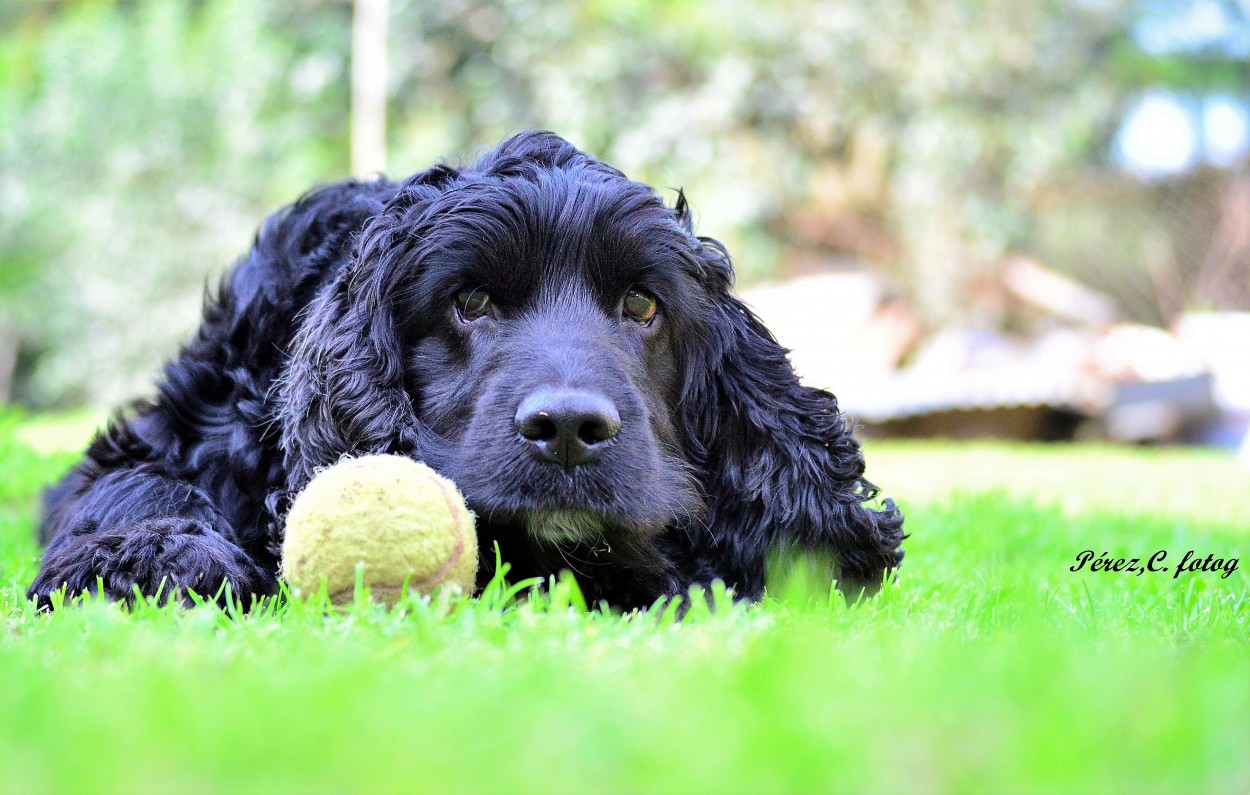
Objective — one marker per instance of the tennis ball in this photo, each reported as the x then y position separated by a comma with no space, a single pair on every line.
397,517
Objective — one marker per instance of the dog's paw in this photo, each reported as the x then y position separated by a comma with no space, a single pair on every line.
159,556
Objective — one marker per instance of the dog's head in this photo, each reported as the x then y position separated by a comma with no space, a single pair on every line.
556,339
540,310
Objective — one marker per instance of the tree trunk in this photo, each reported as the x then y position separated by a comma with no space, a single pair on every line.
369,24
8,361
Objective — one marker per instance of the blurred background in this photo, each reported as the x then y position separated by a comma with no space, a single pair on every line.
1011,218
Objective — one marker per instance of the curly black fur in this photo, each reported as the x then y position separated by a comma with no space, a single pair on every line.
337,335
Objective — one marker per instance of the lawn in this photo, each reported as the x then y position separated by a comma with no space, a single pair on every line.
988,666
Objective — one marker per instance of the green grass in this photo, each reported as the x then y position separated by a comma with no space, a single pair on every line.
66,431
987,667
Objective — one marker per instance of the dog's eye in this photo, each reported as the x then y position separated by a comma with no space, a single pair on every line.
639,306
472,304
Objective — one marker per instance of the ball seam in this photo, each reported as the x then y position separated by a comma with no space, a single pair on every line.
455,506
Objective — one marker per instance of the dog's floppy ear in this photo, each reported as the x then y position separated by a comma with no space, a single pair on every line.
343,392
780,463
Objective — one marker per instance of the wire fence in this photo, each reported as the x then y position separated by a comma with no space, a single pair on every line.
1158,249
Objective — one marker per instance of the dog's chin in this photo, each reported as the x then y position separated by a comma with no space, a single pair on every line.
584,511
565,526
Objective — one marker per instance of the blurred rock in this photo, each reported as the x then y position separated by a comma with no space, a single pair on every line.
1056,293
838,326
1076,374
1220,342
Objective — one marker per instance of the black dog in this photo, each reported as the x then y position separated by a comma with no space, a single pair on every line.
538,328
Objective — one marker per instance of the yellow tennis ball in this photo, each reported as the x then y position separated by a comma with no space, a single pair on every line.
397,517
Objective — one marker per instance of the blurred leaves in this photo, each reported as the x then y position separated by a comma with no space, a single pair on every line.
147,141
144,141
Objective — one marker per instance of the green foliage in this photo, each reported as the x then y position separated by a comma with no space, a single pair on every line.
937,121
145,141
986,667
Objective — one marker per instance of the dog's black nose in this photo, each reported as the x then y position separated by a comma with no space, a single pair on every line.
567,426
